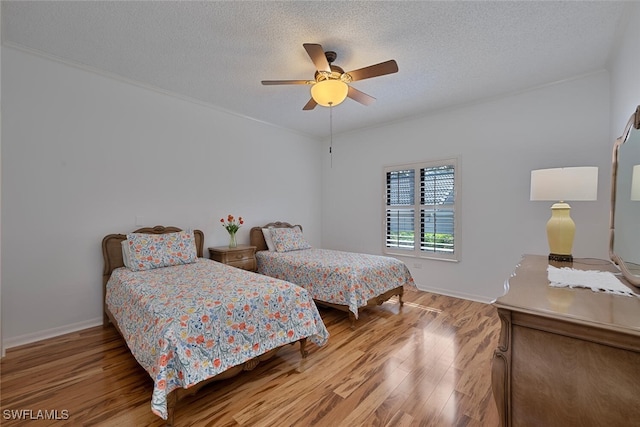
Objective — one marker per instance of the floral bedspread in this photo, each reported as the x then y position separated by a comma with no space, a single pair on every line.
187,323
338,277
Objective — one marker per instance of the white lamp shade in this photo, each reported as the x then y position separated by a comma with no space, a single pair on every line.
635,184
565,184
329,92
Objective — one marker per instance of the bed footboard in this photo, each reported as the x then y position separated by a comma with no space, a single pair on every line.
377,300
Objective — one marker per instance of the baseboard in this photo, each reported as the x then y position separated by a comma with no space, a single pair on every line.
49,333
447,292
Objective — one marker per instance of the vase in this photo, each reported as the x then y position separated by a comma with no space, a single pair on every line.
232,240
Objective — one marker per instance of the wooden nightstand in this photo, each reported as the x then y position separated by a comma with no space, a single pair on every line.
242,256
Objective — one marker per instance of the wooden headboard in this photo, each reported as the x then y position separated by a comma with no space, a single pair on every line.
256,238
112,249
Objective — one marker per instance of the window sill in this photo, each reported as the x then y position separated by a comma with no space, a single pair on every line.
425,257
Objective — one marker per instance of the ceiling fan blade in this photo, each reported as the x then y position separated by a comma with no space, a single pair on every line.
310,105
388,67
286,82
361,97
316,53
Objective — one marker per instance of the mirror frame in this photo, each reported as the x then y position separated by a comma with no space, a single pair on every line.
633,123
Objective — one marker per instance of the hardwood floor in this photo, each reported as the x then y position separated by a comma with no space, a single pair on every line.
428,365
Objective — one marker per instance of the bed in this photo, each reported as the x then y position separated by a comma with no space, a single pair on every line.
195,320
346,281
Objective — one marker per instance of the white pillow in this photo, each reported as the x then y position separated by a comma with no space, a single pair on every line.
267,239
126,255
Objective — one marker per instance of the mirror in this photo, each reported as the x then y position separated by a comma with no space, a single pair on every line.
624,233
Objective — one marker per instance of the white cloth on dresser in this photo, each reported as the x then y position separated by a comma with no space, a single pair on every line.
597,281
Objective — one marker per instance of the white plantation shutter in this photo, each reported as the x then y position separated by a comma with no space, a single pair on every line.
437,208
423,223
400,210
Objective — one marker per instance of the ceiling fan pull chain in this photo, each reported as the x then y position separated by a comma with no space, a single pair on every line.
331,133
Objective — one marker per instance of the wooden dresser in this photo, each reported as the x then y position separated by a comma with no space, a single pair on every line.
566,357
242,256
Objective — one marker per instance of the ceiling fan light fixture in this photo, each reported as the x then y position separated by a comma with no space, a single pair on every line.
329,92
330,84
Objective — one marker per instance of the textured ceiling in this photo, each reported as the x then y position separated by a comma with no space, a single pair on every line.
448,53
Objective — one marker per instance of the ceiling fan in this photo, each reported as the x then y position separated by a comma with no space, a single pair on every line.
330,85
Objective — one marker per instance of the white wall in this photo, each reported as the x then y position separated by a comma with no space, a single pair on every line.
625,72
2,351
498,143
83,155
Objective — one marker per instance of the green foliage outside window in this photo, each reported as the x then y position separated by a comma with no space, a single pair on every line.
408,237
439,238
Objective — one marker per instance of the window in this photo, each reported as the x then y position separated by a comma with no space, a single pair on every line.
420,210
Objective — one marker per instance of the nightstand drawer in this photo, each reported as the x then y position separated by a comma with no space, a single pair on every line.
239,255
246,264
242,256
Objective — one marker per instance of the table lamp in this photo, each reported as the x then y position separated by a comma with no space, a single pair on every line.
562,185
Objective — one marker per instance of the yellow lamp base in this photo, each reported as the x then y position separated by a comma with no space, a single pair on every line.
560,232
